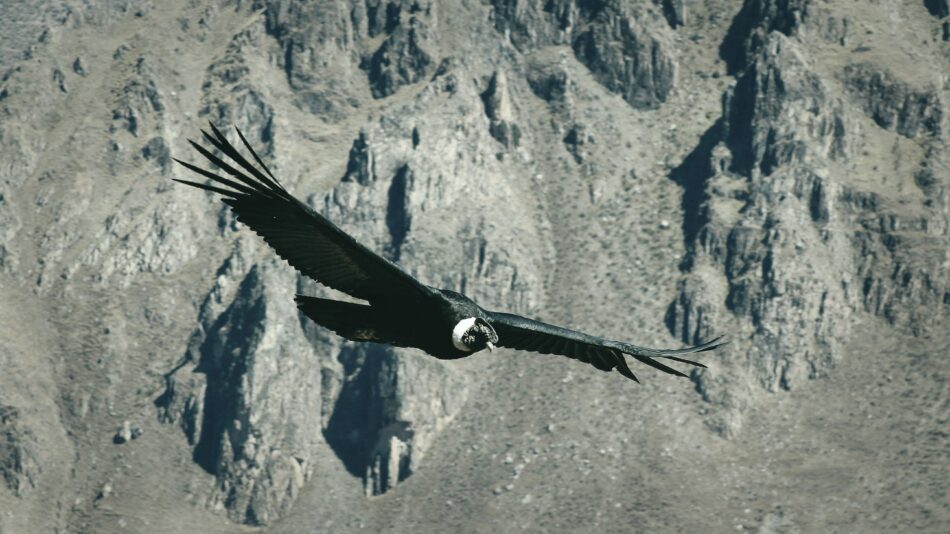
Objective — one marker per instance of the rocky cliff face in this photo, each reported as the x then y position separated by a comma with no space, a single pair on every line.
768,199
655,171
777,214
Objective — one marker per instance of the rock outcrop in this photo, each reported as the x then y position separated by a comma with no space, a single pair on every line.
19,465
759,18
892,104
499,111
773,193
9,223
938,8
768,199
400,60
627,57
389,40
774,170
675,11
247,366
628,49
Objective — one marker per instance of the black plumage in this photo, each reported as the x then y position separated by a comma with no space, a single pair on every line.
400,310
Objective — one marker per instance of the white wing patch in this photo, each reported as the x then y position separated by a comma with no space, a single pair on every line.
459,331
364,334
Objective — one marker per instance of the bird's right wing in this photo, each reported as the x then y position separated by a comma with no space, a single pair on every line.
522,333
307,240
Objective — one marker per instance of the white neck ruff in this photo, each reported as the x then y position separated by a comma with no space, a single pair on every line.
459,331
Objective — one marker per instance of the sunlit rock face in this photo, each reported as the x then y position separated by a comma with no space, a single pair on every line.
656,171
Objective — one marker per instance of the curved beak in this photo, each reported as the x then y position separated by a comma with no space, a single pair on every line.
491,348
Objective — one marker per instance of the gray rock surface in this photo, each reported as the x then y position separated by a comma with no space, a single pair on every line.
627,58
656,171
499,111
628,48
256,364
19,464
768,200
892,104
675,11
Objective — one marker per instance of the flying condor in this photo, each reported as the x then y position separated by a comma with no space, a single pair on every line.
400,310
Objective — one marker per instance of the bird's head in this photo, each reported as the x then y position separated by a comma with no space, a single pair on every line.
474,334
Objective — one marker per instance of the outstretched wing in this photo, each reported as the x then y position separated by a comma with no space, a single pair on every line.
307,240
518,332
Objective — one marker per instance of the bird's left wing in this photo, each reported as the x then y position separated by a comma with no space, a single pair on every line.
307,240
518,332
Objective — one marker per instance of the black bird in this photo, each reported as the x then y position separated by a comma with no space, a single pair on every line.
401,311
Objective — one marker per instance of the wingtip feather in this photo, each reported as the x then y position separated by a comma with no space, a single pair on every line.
624,369
206,187
221,143
217,132
220,179
254,153
712,344
684,360
657,365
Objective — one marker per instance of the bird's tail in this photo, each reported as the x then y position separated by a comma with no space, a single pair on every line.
356,322
345,318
